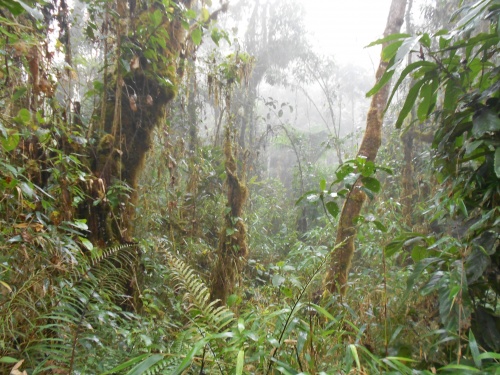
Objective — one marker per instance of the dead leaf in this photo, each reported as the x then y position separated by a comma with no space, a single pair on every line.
15,370
134,63
133,104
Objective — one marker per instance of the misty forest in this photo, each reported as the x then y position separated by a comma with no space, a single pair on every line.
198,187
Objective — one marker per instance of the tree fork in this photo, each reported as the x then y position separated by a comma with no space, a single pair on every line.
337,274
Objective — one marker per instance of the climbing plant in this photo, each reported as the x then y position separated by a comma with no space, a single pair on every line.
455,86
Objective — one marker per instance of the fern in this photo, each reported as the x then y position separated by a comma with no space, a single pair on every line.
52,320
207,324
197,296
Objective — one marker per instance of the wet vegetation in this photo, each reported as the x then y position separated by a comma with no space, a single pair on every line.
189,187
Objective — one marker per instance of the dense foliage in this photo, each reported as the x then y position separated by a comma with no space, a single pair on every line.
142,173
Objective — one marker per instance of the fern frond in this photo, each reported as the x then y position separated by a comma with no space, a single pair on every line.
197,296
54,320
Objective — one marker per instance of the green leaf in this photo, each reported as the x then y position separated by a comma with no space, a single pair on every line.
204,15
23,115
240,361
460,367
156,17
322,184
145,365
418,253
343,171
196,348
19,93
11,142
462,207
35,13
485,120
332,208
305,195
277,280
389,38
489,355
427,65
476,263
411,98
354,352
233,300
425,40
196,35
419,268
124,365
8,360
88,245
368,169
474,349
405,49
390,51
321,311
381,83
190,14
80,224
381,227
371,183
428,96
14,7
452,93
497,162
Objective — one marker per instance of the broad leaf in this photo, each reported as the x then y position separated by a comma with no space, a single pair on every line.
427,65
405,49
485,120
196,36
389,38
381,83
11,142
381,227
371,183
411,98
24,115
428,95
474,349
390,51
277,280
332,208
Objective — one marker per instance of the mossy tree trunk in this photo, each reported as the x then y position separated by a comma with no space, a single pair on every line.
134,104
337,274
233,249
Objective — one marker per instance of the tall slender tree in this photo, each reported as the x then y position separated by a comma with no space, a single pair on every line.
337,274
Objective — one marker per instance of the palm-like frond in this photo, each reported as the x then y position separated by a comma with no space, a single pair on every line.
52,321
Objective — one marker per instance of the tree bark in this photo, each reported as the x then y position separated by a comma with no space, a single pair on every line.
129,119
337,274
233,247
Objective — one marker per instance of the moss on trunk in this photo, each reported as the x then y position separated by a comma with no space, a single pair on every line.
233,248
337,274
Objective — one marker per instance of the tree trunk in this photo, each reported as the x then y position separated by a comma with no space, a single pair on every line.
337,274
233,248
130,117
407,181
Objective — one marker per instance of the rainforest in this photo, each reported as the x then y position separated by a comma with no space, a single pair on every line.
241,187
